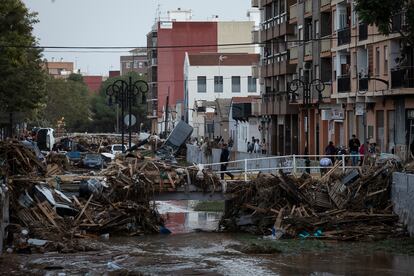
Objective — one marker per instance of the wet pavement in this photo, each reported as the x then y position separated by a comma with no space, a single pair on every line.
192,251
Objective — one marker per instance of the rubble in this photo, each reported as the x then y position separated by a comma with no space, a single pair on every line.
351,206
117,201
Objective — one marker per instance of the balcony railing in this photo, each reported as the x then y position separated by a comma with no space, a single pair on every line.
402,78
325,44
344,36
398,22
308,48
293,52
293,12
363,31
344,84
308,6
363,84
325,2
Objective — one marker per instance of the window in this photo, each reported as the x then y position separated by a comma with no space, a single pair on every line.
218,84
377,61
317,29
251,84
235,84
140,64
385,60
135,64
201,84
127,65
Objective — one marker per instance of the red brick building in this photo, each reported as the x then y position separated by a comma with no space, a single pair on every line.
93,82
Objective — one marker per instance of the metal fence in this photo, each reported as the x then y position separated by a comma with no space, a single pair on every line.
249,164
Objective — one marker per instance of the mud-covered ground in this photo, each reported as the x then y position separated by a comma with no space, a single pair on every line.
192,251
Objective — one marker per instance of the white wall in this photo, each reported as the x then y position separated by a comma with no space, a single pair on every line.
210,71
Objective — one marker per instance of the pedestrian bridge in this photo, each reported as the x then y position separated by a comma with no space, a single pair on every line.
247,169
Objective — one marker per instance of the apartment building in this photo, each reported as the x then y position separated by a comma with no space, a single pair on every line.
280,125
59,69
368,77
135,62
169,40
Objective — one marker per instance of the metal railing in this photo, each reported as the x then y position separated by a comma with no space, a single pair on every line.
344,83
344,36
308,48
291,164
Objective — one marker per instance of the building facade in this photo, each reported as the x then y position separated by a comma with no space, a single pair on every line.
135,62
169,40
59,69
211,76
368,77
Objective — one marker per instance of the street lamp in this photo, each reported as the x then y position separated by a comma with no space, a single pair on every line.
125,94
294,86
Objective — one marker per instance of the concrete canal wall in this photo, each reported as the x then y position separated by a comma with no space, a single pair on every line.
402,195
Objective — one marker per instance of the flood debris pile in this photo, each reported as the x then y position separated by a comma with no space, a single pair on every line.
342,206
116,201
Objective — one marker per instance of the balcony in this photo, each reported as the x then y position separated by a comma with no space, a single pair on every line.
293,13
326,45
344,84
256,37
308,48
402,78
363,84
325,2
363,31
293,52
344,36
308,6
255,3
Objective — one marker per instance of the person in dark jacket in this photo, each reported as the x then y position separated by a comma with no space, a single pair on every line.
331,150
224,158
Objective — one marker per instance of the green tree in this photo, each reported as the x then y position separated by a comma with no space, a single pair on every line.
22,81
387,13
68,99
76,77
104,116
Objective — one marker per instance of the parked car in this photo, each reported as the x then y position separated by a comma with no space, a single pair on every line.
45,138
117,148
92,160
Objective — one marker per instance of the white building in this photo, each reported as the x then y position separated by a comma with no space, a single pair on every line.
211,76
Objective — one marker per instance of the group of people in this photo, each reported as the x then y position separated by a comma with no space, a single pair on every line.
256,147
356,150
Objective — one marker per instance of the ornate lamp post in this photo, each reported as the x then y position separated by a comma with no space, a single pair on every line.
125,94
294,86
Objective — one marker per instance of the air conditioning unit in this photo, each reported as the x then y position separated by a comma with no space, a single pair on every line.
307,66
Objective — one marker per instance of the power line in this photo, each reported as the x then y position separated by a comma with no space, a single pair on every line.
329,37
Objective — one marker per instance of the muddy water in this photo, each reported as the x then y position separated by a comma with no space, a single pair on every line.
189,250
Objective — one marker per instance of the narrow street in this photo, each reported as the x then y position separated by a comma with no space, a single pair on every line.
190,250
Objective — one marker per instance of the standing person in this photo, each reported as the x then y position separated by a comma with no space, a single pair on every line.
231,142
331,150
354,145
224,158
249,147
372,152
361,154
257,146
264,147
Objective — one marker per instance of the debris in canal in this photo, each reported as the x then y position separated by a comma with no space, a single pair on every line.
342,206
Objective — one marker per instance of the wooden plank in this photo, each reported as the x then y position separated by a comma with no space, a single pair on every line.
84,208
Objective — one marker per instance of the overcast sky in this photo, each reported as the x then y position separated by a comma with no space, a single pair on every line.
113,23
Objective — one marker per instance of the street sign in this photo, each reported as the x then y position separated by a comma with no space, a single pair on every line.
133,120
